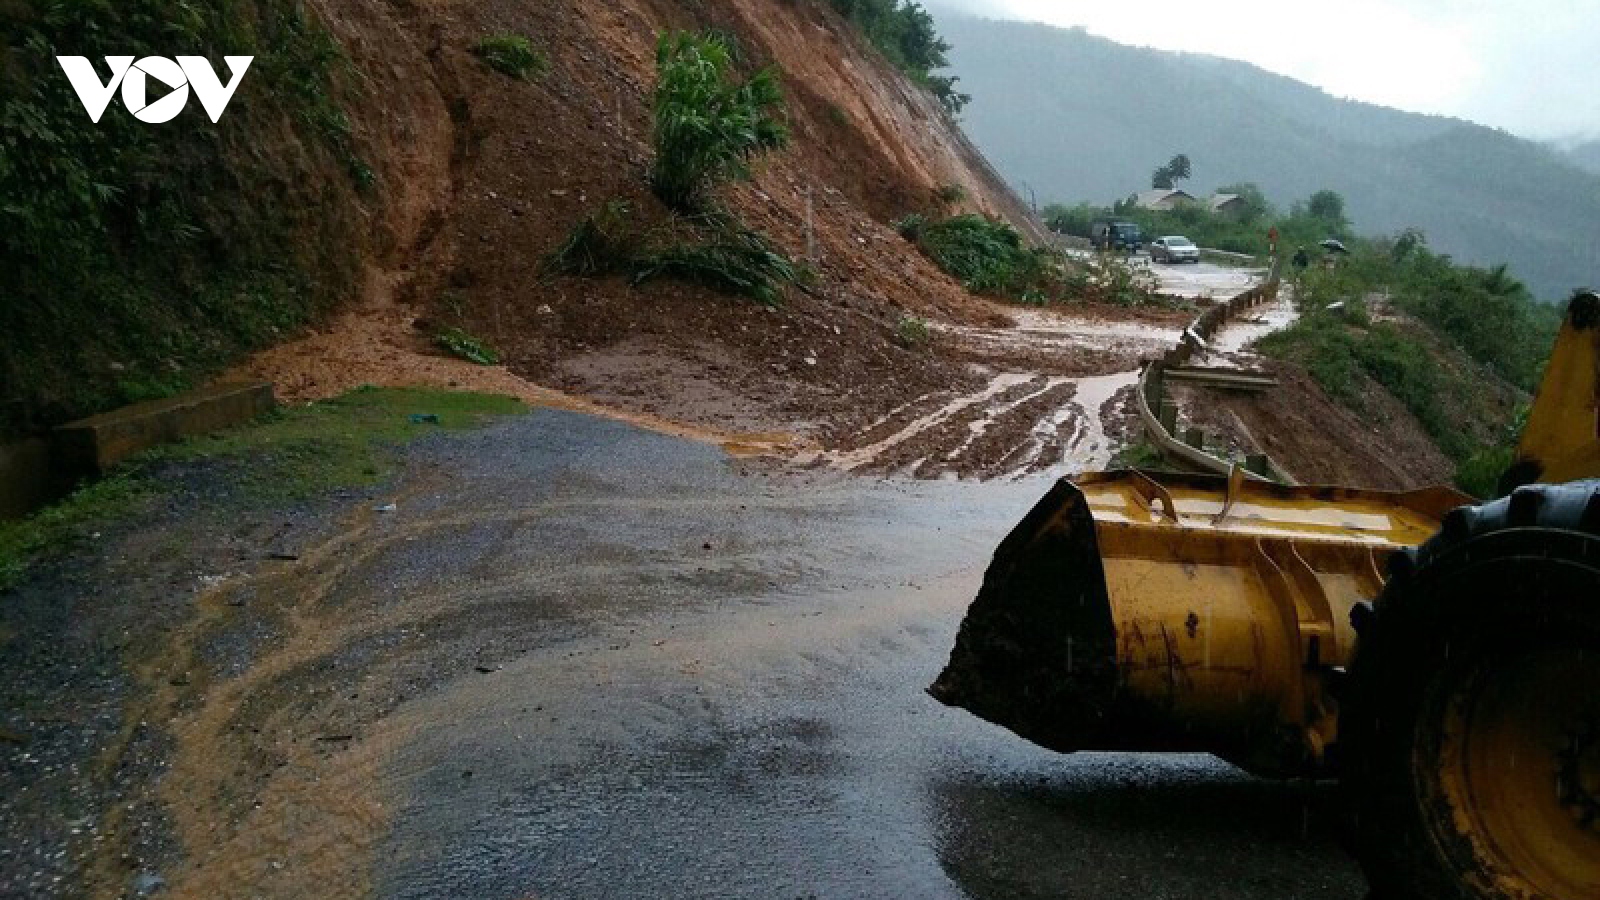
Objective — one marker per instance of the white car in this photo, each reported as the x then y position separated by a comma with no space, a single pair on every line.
1174,249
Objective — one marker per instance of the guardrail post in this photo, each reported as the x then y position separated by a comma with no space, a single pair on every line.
1259,464
1196,438
1169,416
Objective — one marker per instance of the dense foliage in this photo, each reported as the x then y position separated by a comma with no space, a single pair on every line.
708,124
135,258
1487,314
1481,328
987,256
905,34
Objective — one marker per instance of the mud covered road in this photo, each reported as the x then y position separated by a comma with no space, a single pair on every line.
565,656
578,659
752,724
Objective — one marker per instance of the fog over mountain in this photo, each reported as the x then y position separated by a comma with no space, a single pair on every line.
1072,117
1584,152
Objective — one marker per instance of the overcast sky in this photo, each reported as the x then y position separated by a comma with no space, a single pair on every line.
1531,67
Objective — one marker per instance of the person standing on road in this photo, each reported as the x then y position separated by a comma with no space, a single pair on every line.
1301,260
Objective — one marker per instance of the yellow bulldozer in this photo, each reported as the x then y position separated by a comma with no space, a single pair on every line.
1441,659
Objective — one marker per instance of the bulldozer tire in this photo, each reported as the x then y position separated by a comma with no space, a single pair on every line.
1470,721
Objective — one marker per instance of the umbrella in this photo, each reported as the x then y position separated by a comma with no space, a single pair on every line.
1333,245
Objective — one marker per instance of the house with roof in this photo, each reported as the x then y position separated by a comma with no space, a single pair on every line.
1228,206
1162,199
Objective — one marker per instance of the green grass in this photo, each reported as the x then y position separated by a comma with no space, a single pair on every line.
291,455
1142,456
68,521
512,55
298,452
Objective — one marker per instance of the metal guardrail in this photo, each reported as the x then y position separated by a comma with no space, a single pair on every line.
1229,256
1159,415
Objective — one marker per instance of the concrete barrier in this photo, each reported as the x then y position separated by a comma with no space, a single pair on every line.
27,480
92,446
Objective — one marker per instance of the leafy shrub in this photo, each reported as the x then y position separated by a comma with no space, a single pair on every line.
1073,220
708,126
710,248
910,226
604,243
731,259
460,343
990,257
985,255
951,194
911,332
511,54
1110,279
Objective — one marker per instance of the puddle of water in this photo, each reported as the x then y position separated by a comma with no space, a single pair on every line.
1040,330
1067,437
1258,323
1090,448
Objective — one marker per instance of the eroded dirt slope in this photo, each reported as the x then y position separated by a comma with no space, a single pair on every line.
482,175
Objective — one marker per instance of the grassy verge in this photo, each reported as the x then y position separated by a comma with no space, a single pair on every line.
289,456
1142,456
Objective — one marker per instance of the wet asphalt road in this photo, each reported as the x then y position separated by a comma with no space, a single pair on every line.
724,698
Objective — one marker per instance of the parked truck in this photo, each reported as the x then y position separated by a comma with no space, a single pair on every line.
1442,659
1116,236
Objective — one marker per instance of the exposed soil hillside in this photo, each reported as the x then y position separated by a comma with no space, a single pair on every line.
483,175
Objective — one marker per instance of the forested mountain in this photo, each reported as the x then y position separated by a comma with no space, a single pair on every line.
1073,117
1586,153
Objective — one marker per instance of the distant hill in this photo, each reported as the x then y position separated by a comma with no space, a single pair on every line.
1586,154
1074,117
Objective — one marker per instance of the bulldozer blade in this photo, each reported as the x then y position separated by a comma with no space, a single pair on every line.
1180,613
1037,651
